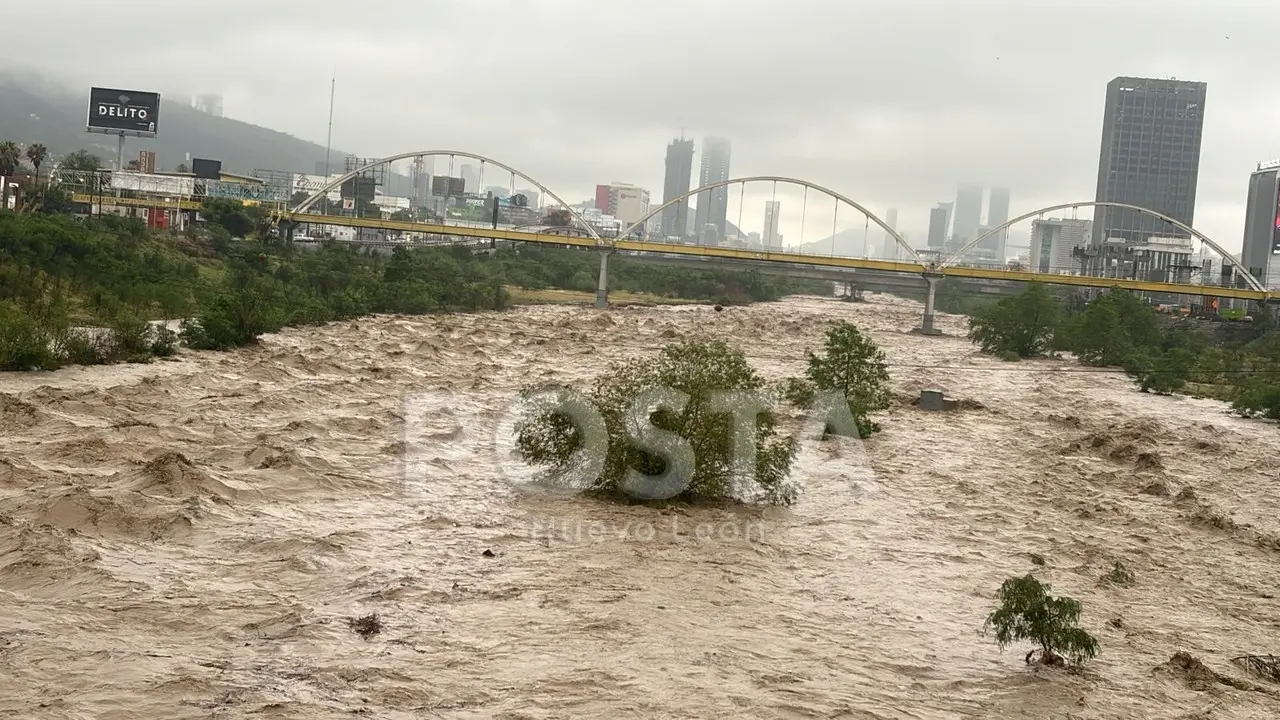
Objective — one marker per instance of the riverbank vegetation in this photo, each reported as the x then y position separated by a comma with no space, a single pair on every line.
60,275
1232,361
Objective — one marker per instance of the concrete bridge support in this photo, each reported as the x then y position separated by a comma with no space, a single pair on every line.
926,326
602,288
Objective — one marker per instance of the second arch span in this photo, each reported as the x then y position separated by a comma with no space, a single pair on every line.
777,179
1226,257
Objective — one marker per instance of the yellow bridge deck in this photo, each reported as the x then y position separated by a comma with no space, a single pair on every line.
729,253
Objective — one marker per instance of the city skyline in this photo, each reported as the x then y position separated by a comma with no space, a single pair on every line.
886,144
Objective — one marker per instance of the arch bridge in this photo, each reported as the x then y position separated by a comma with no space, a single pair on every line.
582,234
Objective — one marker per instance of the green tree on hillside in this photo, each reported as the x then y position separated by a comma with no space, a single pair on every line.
1022,325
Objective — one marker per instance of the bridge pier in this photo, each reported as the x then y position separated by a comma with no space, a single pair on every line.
926,325
602,288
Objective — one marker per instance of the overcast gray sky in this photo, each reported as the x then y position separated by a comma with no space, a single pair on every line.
892,102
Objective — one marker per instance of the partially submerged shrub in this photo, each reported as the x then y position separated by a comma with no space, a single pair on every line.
1028,612
798,392
1119,575
690,424
853,366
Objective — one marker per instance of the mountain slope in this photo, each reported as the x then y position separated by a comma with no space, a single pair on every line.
34,110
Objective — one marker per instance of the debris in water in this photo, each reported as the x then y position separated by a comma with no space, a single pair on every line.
367,626
488,553
1264,666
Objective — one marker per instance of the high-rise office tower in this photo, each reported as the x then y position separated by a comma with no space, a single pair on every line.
997,215
420,174
713,205
675,219
1262,225
770,237
1150,157
939,220
470,178
968,213
888,247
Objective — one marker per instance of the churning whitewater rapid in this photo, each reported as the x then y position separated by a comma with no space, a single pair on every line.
189,539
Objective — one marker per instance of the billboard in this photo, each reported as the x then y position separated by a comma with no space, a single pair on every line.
155,184
442,186
359,187
207,169
123,112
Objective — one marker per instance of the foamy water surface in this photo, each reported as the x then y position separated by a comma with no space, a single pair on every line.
188,539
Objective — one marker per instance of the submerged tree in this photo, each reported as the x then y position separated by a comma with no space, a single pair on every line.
1028,612
853,366
690,424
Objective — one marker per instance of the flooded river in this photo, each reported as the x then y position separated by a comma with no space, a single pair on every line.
189,539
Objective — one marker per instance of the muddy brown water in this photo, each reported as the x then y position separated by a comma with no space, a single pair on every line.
191,539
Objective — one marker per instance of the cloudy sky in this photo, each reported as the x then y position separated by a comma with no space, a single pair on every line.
892,102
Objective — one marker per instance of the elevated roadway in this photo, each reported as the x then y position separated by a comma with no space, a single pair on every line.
929,272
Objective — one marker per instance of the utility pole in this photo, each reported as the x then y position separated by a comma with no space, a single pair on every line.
328,147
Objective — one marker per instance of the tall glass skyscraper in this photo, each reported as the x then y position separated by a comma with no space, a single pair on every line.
713,205
675,219
1150,157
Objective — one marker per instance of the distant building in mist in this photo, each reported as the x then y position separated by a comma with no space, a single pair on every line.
968,213
888,248
625,202
939,220
713,205
210,103
1150,157
770,236
470,178
420,176
1053,243
997,215
679,172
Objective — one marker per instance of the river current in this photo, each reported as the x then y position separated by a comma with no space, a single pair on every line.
191,538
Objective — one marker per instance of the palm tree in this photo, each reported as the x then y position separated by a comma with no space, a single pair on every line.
10,156
36,154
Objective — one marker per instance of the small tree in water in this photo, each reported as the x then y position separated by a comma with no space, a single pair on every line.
1028,612
667,428
854,367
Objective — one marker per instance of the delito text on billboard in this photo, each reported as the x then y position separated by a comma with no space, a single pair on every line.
124,112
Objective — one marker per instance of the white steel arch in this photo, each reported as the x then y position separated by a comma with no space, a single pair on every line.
1226,257
305,204
626,232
